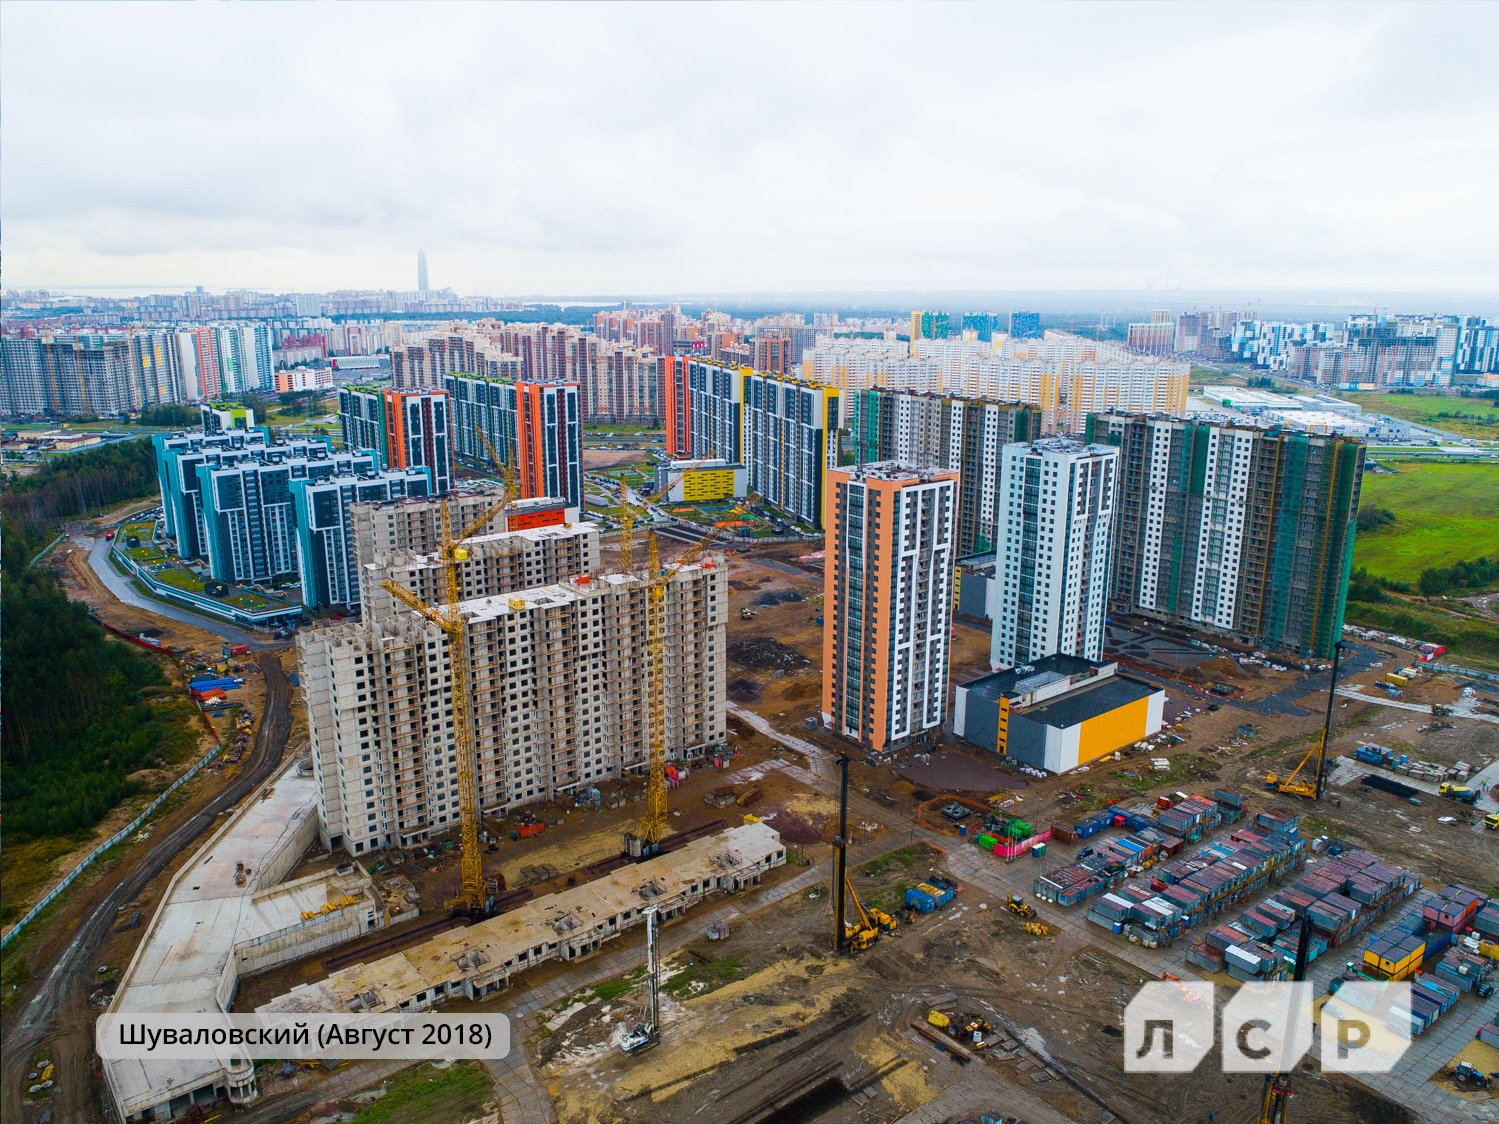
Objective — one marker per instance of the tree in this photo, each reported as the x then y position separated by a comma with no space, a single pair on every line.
1434,582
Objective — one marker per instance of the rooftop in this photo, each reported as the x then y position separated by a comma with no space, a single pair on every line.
898,471
1027,677
1089,701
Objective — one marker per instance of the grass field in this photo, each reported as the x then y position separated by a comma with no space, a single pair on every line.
1465,417
434,1096
1444,513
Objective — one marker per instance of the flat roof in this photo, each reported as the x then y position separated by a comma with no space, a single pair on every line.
188,948
1012,681
897,470
1088,701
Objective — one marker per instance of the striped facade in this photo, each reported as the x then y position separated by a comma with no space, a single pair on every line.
326,561
536,429
965,435
406,428
887,600
1242,530
790,442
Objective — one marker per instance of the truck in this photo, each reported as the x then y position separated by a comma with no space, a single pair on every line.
1459,792
1491,821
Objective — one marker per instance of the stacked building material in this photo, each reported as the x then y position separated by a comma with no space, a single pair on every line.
1453,908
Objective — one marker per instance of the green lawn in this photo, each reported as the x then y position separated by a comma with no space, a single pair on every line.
180,579
435,1096
1465,417
1444,513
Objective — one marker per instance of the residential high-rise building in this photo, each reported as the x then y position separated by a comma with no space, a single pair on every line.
322,513
559,696
715,416
536,429
773,352
966,435
887,602
1053,524
249,519
1235,528
928,325
407,428
1025,325
676,401
790,442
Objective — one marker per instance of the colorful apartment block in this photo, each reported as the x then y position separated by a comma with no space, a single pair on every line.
887,602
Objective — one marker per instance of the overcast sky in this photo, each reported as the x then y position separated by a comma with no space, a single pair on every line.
677,148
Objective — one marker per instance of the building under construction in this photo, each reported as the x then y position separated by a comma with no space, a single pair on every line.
558,690
483,958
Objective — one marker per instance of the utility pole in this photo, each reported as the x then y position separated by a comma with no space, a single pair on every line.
840,872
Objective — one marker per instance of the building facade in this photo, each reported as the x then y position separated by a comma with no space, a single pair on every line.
715,420
1244,530
887,601
407,428
323,516
962,434
790,436
559,699
536,429
1053,540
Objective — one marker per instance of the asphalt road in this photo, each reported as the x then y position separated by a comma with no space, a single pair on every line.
70,977
120,586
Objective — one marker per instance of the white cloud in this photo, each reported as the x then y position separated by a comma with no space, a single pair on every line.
575,148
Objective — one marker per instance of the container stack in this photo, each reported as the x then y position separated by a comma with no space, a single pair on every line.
1463,969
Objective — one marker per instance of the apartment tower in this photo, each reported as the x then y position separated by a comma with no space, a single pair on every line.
1236,528
887,599
1053,519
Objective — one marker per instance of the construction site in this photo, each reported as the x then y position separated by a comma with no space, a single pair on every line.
748,933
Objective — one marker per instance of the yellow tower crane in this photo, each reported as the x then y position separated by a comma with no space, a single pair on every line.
473,895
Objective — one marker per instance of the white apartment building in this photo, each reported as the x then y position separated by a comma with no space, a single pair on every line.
1068,376
1053,540
559,697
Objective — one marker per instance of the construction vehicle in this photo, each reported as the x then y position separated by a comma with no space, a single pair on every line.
1019,906
851,935
1491,821
475,894
939,1019
1466,1073
883,921
747,614
647,1033
1459,792
1276,1098
1312,785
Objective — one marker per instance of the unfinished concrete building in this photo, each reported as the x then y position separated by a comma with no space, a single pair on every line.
558,681
472,962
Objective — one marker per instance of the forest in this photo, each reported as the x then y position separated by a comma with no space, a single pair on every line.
82,711
70,485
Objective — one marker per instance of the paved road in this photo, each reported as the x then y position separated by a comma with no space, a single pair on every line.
71,975
120,586
1463,708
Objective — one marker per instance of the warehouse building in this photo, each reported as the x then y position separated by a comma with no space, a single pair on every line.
1057,713
227,914
483,958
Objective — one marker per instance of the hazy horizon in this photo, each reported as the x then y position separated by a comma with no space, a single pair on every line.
583,148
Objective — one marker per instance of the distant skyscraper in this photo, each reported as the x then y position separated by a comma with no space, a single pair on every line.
1025,325
421,272
1052,543
887,591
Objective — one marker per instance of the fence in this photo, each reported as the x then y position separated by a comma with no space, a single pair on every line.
117,837
1473,672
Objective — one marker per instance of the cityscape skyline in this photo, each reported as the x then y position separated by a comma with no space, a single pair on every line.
1108,178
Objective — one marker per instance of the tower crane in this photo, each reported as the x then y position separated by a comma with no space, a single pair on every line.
474,894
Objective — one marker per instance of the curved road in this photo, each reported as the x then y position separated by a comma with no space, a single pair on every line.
58,1010
121,587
